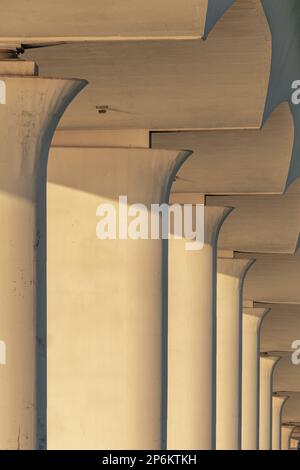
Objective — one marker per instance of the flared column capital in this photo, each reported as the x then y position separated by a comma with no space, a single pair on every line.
31,111
214,216
253,317
278,402
232,266
267,364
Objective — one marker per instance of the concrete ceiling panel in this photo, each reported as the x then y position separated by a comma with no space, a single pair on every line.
273,279
286,377
235,161
280,328
261,224
158,85
67,20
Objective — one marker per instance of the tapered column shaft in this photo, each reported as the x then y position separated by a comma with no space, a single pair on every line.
231,274
267,364
192,338
28,117
277,407
113,293
252,318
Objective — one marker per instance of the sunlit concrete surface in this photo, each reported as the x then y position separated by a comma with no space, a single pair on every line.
235,161
252,320
171,85
123,321
29,116
110,19
144,345
231,274
192,289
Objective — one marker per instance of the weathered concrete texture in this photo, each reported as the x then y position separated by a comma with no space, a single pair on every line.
28,119
228,99
221,82
111,293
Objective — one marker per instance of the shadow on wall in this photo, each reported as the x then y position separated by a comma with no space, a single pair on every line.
284,22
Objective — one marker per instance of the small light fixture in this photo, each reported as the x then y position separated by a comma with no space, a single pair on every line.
102,109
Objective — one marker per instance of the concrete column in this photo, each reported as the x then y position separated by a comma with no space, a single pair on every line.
267,364
286,434
30,110
294,444
192,338
112,293
230,278
277,407
252,319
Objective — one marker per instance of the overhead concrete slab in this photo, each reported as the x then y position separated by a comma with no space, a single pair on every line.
273,279
261,224
291,410
34,20
280,328
286,376
158,85
234,161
